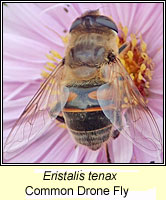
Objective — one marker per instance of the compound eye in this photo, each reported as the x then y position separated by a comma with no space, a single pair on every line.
75,24
104,21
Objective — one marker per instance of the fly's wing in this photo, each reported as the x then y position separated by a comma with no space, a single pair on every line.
36,118
123,104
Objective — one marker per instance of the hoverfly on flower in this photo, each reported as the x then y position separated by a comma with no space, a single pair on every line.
91,92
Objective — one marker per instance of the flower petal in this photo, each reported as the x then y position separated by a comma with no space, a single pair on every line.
141,157
91,156
13,109
24,49
155,102
65,11
146,16
76,155
59,151
36,21
17,91
122,150
42,148
15,71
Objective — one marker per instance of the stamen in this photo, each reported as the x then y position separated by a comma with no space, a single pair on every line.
136,60
148,73
122,61
130,55
133,40
65,39
144,56
125,31
44,74
55,54
117,41
147,84
50,57
132,76
143,67
143,44
140,77
50,66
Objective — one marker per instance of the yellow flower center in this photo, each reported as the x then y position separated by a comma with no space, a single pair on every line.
136,60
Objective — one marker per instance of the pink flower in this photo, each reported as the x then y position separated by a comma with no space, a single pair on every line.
28,37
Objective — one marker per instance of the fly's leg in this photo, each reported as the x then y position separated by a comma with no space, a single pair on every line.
124,48
60,119
54,113
115,134
107,153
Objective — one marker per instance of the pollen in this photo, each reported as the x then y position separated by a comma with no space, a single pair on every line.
136,60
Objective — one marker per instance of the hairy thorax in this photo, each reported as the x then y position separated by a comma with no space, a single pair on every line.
88,51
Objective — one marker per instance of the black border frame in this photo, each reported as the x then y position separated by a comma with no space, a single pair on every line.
85,164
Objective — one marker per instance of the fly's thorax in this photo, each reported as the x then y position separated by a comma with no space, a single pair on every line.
86,52
89,49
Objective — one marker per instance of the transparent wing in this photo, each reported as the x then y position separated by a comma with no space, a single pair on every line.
38,114
123,104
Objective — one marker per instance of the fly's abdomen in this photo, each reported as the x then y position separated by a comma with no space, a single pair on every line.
85,119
